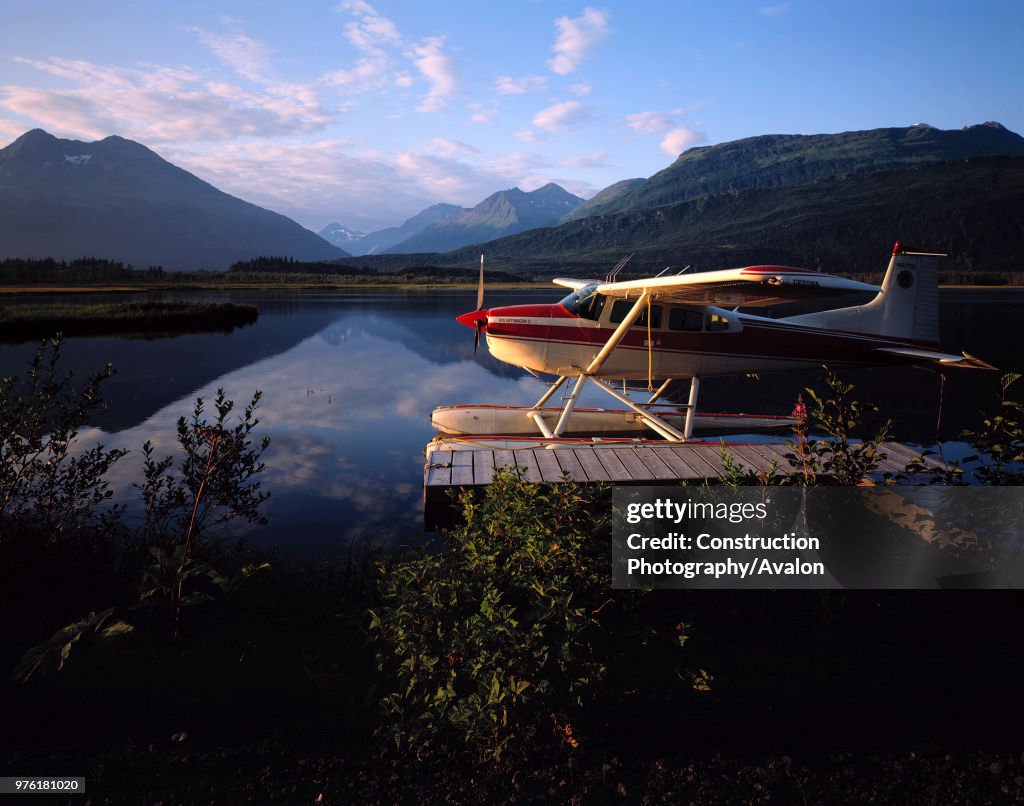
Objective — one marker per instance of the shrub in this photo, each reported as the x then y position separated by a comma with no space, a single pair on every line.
47,487
502,639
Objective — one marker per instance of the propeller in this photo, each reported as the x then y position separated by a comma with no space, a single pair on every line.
479,306
476,319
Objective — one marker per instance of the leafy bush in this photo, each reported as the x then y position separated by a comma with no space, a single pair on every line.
841,457
999,440
502,639
46,486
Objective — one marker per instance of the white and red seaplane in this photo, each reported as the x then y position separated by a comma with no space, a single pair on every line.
688,326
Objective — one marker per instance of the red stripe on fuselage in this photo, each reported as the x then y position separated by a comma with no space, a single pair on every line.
754,340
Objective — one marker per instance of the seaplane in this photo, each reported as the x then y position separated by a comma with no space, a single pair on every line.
687,327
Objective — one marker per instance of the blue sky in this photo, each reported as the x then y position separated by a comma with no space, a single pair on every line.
364,113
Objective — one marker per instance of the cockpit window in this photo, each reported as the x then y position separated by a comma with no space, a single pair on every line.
585,303
622,307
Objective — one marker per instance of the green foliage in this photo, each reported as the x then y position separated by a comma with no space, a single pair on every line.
216,479
488,637
52,655
47,485
842,457
736,475
999,441
502,639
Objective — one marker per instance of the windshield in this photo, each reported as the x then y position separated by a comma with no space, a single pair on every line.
585,302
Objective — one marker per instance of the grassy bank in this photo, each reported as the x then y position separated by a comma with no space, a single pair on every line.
24,322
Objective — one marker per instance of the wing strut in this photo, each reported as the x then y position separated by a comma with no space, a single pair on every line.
651,420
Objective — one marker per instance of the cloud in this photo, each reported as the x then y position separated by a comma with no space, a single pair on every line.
326,180
440,69
677,135
678,140
484,115
369,30
580,89
452,148
653,122
506,85
528,136
248,57
576,39
370,73
377,39
773,11
163,104
560,117
597,159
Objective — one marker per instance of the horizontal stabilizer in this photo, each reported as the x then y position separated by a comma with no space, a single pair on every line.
965,361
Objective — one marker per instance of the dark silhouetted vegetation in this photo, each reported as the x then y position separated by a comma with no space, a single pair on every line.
22,322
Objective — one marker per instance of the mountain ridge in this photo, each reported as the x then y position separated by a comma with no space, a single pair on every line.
502,213
116,198
776,160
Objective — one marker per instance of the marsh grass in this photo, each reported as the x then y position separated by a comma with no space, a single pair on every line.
31,321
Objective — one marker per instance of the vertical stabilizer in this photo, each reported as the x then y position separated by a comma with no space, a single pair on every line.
907,307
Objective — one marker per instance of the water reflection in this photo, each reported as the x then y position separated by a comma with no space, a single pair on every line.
349,380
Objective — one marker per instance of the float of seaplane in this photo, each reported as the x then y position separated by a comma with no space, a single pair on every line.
687,327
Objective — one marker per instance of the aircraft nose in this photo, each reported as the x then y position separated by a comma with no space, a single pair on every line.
473,319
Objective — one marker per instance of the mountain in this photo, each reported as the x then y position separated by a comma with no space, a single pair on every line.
117,199
378,241
340,236
599,203
502,213
780,160
971,209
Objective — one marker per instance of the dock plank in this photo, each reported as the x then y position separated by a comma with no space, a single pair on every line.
712,456
550,470
570,464
462,468
503,457
748,459
439,469
591,464
678,465
527,464
652,459
483,467
612,464
701,467
655,463
634,464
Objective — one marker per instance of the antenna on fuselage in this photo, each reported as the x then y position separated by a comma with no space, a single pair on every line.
662,271
684,269
618,267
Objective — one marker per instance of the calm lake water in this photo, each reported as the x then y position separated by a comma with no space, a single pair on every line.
349,381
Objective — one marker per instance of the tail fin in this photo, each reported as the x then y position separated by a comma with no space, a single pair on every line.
909,301
907,307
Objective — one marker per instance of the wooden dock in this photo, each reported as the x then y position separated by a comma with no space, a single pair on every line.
668,463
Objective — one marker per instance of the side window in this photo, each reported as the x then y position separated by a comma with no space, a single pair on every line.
716,322
682,319
621,307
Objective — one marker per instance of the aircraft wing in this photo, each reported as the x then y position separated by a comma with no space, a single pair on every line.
568,282
751,287
966,361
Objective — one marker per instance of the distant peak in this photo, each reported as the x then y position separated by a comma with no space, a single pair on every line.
988,124
36,135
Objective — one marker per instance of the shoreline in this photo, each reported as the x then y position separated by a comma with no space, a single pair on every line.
19,290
